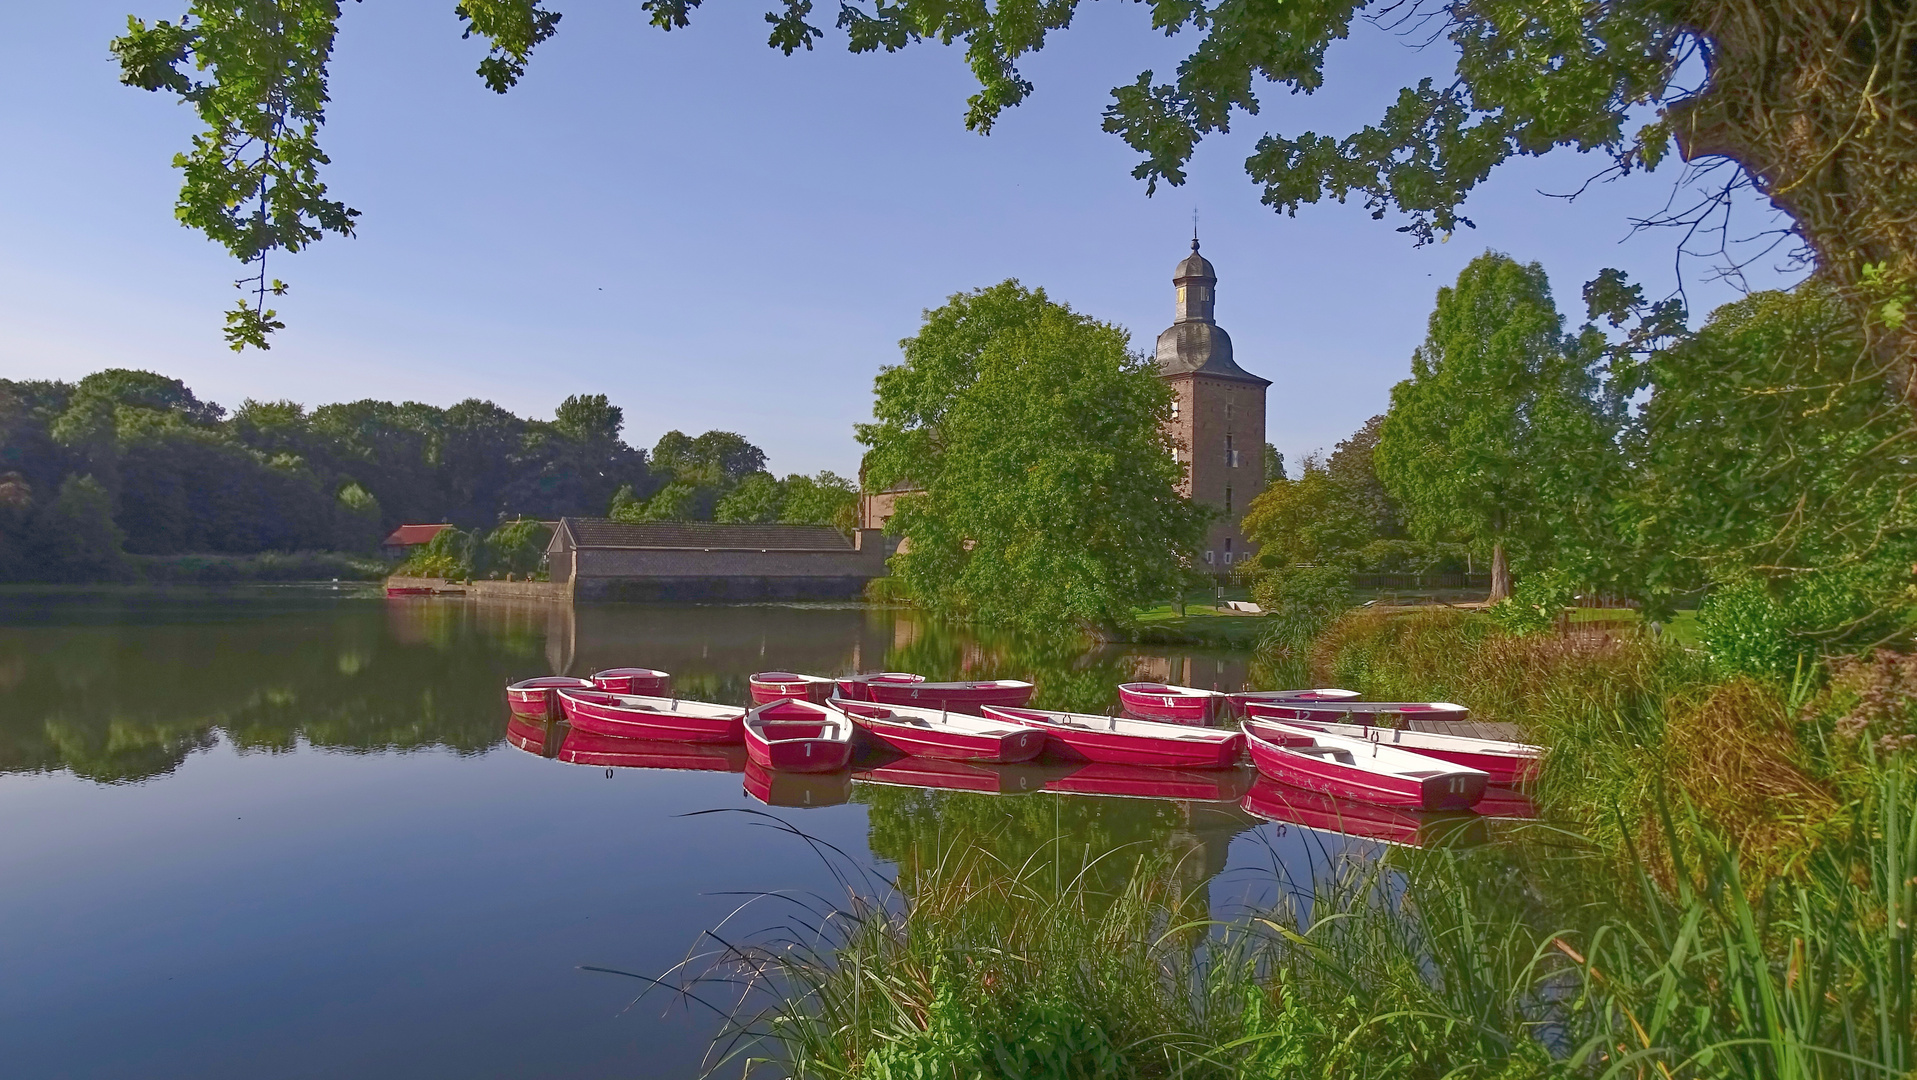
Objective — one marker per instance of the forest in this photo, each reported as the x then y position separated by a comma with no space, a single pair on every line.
107,478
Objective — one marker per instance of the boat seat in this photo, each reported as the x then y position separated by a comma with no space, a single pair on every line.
1334,753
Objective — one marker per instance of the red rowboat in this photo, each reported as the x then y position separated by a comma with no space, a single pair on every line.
777,685
1511,764
630,716
774,787
634,680
798,736
1387,714
533,698
1173,704
1237,702
1289,805
604,751
1146,782
409,590
1122,741
897,688
1360,769
958,776
935,733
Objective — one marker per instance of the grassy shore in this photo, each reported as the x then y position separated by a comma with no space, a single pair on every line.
1723,889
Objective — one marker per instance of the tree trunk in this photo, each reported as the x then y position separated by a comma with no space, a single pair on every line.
1500,573
1811,100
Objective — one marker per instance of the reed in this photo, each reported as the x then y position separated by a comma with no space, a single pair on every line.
1512,961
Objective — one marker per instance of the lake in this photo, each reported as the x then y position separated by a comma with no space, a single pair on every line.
282,832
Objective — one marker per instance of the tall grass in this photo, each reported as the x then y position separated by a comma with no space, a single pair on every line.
1511,961
1627,720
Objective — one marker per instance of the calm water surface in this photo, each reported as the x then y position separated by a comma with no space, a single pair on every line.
280,832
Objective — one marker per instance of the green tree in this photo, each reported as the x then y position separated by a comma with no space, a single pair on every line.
1773,475
758,498
1310,521
358,526
1049,488
825,499
717,458
1803,102
78,530
1503,437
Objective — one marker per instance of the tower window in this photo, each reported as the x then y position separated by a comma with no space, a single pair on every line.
1227,501
1174,408
1227,416
1209,557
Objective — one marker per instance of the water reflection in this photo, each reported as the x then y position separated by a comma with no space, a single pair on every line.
119,686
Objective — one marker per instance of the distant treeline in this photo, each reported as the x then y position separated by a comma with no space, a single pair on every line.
130,462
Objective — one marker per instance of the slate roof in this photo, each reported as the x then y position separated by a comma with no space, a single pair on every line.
1200,348
1194,267
702,536
409,535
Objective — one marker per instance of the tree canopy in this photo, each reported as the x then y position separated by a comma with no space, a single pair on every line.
1048,489
130,461
1806,102
1503,436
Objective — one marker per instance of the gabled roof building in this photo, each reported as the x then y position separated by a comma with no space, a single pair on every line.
696,561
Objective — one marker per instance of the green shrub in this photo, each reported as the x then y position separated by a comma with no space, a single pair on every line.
448,555
1535,604
1783,629
517,548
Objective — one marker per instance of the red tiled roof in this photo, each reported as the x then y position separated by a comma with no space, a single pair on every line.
408,535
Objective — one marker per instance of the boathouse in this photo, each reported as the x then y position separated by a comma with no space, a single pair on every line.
702,561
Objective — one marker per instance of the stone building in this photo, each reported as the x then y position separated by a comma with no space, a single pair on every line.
1218,420
701,561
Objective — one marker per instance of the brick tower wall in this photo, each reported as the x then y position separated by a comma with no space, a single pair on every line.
1220,433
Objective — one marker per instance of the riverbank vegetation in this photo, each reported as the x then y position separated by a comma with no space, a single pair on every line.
122,474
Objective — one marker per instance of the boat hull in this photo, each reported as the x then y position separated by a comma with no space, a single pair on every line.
965,697
634,681
591,712
1067,742
947,745
1445,790
1168,705
534,699
1508,768
770,686
795,736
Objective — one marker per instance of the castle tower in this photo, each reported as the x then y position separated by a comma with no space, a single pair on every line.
1218,419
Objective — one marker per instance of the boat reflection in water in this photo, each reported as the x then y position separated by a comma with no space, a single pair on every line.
776,787
978,777
1504,802
1399,825
535,736
574,747
1148,782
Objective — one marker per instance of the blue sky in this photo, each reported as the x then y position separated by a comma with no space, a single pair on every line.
718,236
